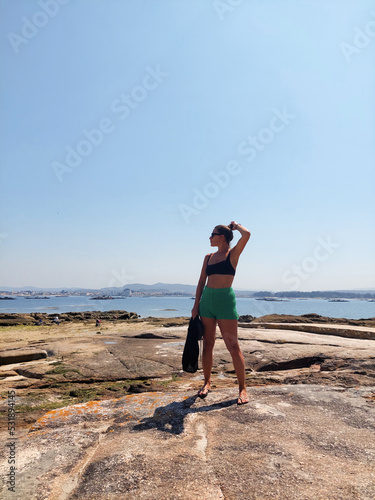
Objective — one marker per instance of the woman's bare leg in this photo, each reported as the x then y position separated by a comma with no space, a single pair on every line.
229,332
207,355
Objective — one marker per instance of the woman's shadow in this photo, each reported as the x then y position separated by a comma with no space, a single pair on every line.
170,418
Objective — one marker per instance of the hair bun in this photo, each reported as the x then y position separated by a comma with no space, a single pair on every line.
225,231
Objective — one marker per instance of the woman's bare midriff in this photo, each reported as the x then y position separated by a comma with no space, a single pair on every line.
220,281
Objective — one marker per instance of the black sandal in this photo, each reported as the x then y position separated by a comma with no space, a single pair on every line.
202,394
242,401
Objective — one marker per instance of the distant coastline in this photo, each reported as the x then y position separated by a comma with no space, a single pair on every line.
175,290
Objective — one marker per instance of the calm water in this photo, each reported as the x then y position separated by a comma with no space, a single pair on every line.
181,306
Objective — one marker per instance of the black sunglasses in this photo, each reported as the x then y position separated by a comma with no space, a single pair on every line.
214,234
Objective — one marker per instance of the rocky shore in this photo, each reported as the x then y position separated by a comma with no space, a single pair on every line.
15,319
312,318
110,397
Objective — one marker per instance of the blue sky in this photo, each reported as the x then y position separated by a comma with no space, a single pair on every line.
130,129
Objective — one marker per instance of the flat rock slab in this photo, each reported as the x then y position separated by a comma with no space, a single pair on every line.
21,355
292,442
268,353
356,332
132,358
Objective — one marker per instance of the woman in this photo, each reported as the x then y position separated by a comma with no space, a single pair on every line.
216,303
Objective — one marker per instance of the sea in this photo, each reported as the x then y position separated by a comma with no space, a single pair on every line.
168,307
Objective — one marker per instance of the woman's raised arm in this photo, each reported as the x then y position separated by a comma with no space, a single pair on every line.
245,236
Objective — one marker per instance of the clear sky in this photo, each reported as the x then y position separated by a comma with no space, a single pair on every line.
130,128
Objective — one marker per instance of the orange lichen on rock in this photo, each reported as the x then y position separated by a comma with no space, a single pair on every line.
132,405
62,415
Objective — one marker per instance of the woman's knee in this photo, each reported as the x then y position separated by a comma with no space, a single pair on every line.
208,344
233,347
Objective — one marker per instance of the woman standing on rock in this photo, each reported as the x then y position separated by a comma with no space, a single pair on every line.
216,303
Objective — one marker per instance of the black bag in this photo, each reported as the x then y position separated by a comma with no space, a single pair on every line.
191,348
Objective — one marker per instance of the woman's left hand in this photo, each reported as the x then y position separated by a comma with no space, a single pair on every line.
195,311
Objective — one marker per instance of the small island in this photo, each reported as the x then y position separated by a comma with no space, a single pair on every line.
36,297
102,297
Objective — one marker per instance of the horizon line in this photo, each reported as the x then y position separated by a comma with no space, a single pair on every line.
26,288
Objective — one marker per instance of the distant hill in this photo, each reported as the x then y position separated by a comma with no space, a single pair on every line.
156,287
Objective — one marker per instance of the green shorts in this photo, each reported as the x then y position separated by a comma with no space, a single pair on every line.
218,303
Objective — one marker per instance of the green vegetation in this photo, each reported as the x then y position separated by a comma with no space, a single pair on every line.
66,393
174,378
61,369
42,406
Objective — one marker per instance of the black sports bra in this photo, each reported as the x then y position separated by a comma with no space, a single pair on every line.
223,267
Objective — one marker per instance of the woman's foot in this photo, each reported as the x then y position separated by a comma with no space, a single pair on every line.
243,398
202,393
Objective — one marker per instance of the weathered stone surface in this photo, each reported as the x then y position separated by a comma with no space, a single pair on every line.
289,442
21,355
275,355
350,331
308,435
7,373
314,318
129,358
35,370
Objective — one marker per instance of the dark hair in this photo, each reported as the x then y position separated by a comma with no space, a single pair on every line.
226,232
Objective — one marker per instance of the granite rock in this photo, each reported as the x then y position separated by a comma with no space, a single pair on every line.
289,443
